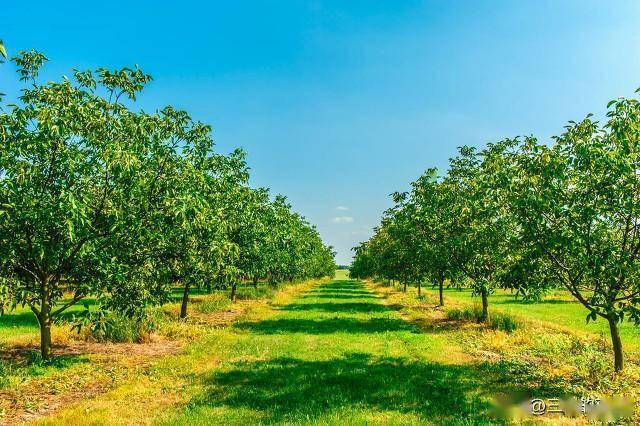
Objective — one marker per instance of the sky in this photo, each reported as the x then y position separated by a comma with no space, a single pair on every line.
340,103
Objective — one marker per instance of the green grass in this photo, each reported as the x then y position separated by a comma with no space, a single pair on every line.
18,323
339,354
21,323
556,308
334,355
19,328
213,303
12,374
497,321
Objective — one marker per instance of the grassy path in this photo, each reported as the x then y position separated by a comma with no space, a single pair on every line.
329,353
336,354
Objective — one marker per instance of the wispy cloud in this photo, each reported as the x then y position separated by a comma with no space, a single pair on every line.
342,219
342,208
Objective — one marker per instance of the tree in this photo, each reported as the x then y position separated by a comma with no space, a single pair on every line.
429,207
447,227
275,243
406,245
578,201
82,180
198,246
362,265
479,224
255,233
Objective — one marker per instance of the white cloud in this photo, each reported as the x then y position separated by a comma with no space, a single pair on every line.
342,219
343,208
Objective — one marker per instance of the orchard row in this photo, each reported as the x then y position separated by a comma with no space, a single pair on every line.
529,217
100,199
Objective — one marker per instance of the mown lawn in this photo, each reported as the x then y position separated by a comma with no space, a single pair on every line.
556,309
85,365
343,352
335,354
347,352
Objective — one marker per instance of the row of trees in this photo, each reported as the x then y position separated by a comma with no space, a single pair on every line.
100,199
527,216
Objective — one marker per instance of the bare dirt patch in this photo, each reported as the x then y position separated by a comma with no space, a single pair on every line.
108,362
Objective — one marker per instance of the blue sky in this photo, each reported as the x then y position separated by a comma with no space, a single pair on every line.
340,103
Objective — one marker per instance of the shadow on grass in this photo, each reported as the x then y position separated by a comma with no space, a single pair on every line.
25,318
294,390
338,291
341,286
337,307
289,389
19,364
18,319
340,296
356,290
515,301
30,358
326,326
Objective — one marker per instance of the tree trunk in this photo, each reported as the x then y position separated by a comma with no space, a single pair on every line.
419,288
44,320
185,300
441,290
617,345
485,305
234,287
45,335
255,282
404,289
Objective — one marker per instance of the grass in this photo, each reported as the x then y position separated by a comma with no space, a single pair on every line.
333,354
17,324
12,374
558,358
214,303
347,352
90,362
497,321
556,309
20,325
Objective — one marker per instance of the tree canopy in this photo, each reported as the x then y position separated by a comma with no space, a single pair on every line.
528,216
100,199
